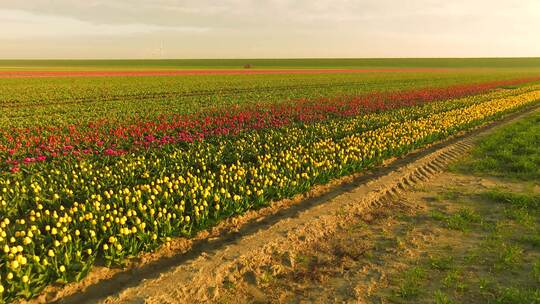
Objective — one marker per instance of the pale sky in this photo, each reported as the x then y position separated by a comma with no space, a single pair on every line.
268,29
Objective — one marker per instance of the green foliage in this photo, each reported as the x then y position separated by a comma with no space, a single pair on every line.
66,213
460,220
442,263
442,298
527,201
509,255
520,206
513,152
411,283
531,240
282,63
515,295
536,271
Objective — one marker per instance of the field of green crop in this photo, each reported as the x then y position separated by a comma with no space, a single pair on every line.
276,63
67,100
102,169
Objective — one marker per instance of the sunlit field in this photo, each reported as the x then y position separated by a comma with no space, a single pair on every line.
96,170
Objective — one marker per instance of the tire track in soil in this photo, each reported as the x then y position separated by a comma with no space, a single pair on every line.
197,273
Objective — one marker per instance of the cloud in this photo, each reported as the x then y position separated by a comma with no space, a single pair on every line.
235,13
249,27
19,24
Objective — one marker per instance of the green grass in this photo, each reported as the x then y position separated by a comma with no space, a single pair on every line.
442,263
497,260
529,201
454,280
530,240
520,207
411,283
514,295
536,271
282,63
461,220
442,298
500,265
508,256
511,152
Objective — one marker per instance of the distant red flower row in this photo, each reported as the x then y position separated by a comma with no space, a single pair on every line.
25,146
33,74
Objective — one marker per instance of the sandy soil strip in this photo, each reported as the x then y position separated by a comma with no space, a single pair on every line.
36,74
195,270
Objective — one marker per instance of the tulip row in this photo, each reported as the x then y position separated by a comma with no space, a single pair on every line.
22,147
58,217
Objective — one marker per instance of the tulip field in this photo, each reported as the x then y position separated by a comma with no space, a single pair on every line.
97,170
